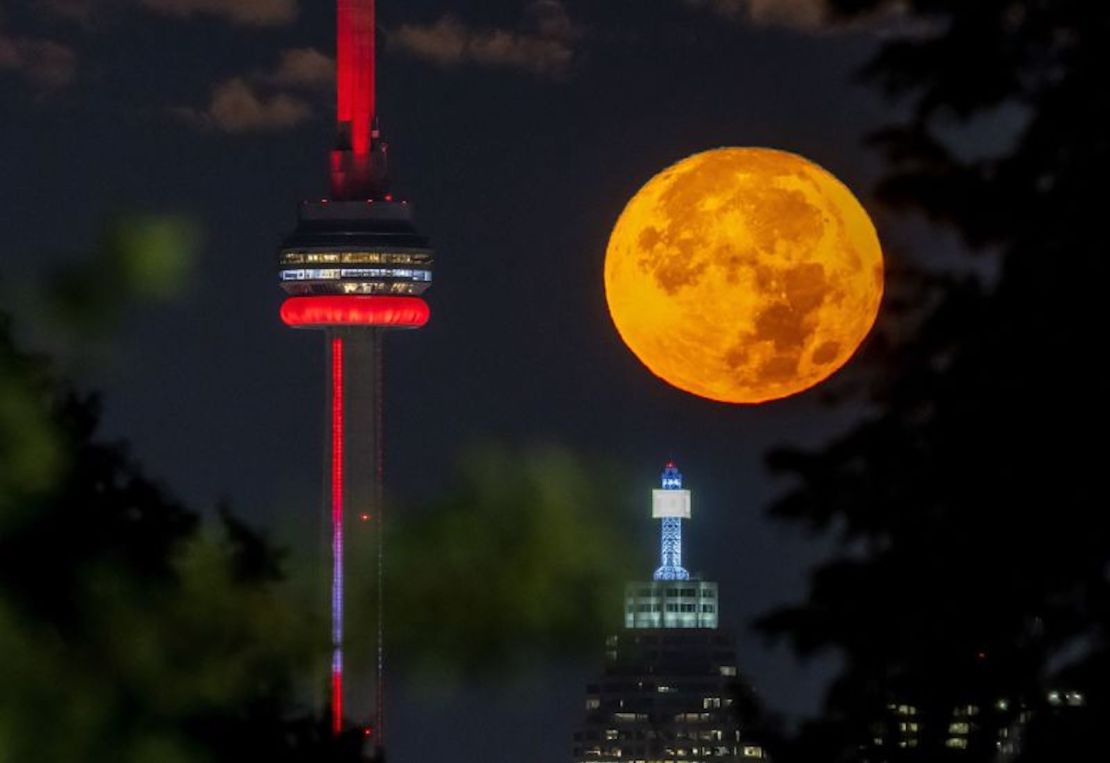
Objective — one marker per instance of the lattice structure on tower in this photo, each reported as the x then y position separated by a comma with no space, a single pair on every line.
671,504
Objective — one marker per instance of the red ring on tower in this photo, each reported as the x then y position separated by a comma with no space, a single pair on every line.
343,310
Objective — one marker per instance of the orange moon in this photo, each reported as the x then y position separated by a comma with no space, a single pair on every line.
744,274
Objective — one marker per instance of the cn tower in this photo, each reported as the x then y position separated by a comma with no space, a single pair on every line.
355,267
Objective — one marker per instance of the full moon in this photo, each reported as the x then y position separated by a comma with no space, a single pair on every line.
744,274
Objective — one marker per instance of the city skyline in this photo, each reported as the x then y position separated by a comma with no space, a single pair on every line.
520,171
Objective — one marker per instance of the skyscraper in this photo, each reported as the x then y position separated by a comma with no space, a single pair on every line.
354,267
670,682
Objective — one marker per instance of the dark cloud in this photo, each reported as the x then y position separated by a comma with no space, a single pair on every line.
259,13
814,16
249,12
799,14
264,101
237,106
544,44
45,63
74,10
305,68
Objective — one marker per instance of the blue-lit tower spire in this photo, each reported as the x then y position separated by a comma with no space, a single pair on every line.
671,505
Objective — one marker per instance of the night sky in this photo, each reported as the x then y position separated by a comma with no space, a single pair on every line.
519,130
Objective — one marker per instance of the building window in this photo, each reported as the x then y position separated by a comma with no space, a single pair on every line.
707,608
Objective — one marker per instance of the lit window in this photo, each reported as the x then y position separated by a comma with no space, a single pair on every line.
956,743
728,670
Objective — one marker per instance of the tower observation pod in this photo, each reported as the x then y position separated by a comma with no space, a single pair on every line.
355,267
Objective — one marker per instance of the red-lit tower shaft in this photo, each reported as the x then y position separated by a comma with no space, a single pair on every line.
352,177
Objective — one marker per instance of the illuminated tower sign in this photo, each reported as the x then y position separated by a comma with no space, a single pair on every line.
354,267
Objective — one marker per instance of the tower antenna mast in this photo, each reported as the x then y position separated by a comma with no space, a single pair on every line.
358,162
670,504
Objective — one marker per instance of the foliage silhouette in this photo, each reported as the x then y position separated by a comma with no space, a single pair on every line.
517,562
975,561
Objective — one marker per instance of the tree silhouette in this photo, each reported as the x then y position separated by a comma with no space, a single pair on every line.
974,562
130,630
